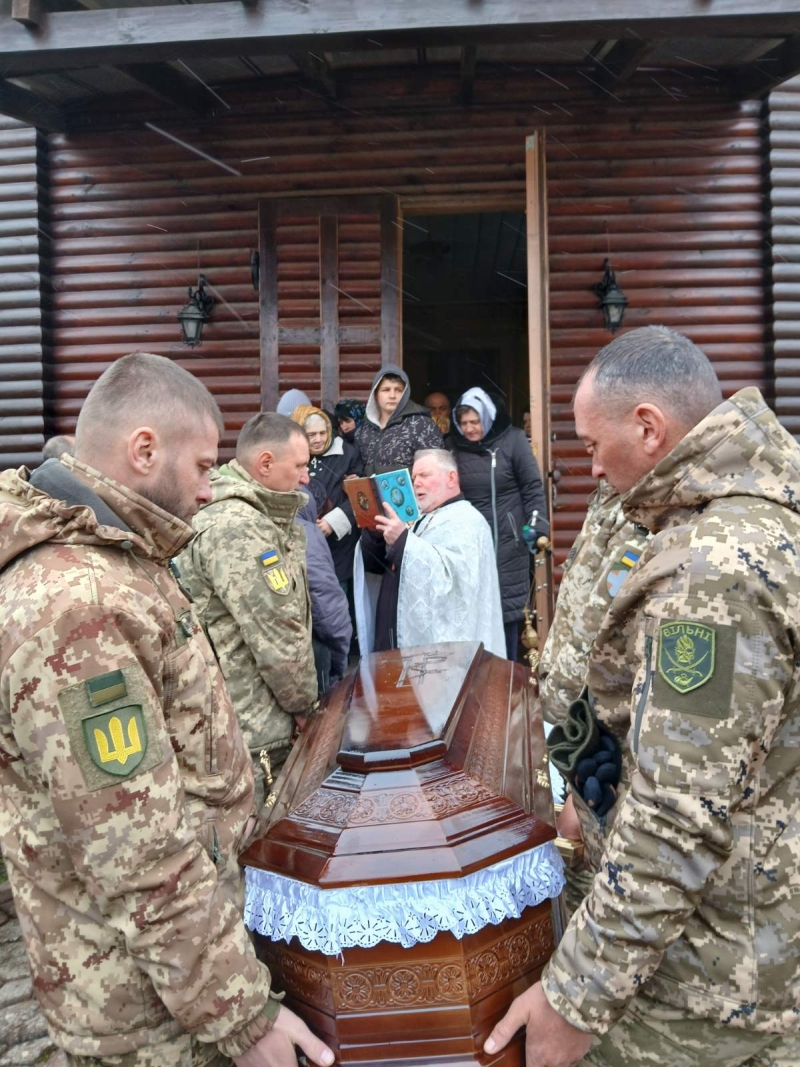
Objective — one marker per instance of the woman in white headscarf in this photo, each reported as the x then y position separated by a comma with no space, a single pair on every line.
500,477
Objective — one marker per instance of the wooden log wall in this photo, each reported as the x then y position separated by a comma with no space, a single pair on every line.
21,335
667,180
784,160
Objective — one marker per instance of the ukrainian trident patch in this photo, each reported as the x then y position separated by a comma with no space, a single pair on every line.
116,740
275,572
686,653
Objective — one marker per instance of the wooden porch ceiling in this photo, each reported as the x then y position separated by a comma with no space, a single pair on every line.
56,55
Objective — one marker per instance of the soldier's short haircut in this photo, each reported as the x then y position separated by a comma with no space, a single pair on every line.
269,431
656,365
145,390
446,460
57,446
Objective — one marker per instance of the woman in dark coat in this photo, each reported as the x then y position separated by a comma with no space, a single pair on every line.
395,427
332,460
500,477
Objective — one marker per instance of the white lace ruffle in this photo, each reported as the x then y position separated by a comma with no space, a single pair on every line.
329,920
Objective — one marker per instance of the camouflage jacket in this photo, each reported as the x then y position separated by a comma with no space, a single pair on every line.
125,785
603,555
697,670
246,572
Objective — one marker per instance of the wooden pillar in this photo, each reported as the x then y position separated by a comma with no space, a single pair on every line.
539,354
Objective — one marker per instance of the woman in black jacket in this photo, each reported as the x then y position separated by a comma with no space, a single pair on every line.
500,477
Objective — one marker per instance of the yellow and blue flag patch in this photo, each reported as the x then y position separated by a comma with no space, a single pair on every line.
269,557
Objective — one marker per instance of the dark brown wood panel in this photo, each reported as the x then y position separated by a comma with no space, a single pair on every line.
784,145
21,335
668,181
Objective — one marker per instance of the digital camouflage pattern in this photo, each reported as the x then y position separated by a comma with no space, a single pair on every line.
593,573
121,843
246,572
695,902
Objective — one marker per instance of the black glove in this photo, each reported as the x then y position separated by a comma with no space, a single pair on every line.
587,755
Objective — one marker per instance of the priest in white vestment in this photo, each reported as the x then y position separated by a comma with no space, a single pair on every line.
435,580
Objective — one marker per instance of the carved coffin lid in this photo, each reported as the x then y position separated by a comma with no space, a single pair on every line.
421,765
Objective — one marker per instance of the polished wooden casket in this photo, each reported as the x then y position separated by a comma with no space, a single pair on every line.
406,888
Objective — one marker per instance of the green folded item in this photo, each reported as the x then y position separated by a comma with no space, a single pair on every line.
577,737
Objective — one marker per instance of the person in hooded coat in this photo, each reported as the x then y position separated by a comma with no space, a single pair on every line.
500,477
395,427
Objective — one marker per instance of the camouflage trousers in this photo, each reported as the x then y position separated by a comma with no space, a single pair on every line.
650,1034
180,1051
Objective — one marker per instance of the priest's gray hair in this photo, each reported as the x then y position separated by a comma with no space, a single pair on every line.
446,460
142,389
658,366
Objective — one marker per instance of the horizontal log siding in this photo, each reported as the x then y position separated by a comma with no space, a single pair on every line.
21,360
669,184
784,143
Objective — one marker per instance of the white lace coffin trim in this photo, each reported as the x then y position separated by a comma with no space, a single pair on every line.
329,920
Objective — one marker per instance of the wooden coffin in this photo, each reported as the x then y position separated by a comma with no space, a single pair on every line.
403,893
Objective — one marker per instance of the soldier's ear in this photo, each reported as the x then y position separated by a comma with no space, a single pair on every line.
265,461
143,450
651,425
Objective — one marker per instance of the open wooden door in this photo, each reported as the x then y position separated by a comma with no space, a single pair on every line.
330,296
539,357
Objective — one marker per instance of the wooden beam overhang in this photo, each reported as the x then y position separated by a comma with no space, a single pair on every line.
316,69
19,103
161,81
768,72
148,34
617,61
469,63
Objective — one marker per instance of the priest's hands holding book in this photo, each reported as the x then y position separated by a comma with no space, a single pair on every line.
392,527
550,1041
277,1047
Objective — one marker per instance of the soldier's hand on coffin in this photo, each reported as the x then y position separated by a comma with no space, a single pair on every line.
277,1047
392,526
568,824
550,1041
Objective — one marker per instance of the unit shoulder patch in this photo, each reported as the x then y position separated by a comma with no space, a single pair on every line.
686,654
620,569
109,721
695,667
274,572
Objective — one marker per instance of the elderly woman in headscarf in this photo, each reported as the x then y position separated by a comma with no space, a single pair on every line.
500,477
332,460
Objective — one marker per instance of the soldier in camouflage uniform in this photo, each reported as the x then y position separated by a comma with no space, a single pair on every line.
685,951
126,790
246,572
605,552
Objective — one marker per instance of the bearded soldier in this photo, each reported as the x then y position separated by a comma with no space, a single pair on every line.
126,790
684,951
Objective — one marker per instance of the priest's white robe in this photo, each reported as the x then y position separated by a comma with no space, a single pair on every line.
448,590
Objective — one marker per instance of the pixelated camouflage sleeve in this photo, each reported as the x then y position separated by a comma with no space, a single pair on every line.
704,711
86,695
275,624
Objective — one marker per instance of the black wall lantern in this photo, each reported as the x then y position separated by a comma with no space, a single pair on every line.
612,299
196,312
